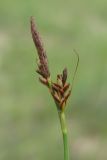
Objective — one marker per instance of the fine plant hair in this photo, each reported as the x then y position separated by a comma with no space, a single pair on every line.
60,90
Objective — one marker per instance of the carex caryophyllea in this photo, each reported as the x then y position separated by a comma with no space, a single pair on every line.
59,89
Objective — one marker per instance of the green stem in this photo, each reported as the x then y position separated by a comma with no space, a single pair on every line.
64,133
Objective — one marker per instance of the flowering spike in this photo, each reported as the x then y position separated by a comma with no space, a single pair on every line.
43,69
58,90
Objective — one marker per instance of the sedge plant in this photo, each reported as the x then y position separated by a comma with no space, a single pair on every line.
60,90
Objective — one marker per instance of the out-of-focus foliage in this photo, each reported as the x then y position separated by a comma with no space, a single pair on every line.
29,125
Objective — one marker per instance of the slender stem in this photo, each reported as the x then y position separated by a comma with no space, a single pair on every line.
64,133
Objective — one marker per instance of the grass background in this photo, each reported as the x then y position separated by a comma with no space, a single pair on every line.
29,125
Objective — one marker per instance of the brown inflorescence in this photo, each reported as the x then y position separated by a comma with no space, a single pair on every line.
43,69
60,89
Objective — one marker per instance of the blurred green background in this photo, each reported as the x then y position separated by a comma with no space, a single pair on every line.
29,124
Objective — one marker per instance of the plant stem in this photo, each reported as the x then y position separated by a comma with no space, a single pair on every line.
64,133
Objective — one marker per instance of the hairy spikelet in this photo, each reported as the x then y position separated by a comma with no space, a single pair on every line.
43,69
